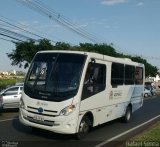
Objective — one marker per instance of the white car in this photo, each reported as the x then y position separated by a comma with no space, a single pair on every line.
147,92
10,97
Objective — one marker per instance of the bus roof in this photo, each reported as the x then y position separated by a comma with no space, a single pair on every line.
98,56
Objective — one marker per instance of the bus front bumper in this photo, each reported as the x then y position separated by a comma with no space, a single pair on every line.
58,124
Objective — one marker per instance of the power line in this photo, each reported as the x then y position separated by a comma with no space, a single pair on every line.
60,19
22,36
11,37
22,29
9,32
6,39
41,8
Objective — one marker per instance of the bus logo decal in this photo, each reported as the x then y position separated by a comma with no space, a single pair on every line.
40,109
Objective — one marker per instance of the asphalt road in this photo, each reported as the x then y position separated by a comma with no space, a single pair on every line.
13,133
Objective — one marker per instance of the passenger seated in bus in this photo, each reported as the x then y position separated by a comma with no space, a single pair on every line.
88,82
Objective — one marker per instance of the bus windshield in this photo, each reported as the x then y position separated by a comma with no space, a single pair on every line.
54,76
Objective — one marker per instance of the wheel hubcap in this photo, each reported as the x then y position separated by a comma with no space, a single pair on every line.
128,115
83,127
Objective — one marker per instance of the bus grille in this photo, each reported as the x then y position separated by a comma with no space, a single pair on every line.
49,113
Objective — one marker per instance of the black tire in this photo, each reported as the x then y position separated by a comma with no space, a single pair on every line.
127,117
84,127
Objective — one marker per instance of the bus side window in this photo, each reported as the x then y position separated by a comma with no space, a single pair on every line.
139,76
129,75
117,74
95,80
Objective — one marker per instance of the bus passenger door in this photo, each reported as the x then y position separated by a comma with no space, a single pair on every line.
94,91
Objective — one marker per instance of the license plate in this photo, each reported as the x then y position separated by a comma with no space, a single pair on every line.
38,117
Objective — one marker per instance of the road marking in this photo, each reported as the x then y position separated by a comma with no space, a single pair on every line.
7,119
126,132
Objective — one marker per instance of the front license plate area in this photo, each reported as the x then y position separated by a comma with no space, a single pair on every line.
38,117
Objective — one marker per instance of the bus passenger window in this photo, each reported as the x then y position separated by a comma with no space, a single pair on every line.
129,74
139,76
117,74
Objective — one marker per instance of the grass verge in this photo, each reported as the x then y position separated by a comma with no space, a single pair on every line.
148,138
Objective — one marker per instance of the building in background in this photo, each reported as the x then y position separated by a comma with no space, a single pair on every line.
7,73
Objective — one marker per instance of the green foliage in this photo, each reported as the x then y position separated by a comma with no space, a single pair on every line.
6,82
99,48
62,46
25,51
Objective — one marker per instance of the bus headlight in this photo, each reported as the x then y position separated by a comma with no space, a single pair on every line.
68,110
21,103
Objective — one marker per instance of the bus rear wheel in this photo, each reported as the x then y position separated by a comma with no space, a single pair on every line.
84,127
127,117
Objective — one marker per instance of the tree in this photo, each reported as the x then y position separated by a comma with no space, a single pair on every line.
62,46
149,69
25,51
99,48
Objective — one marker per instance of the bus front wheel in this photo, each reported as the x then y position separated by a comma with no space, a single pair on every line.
83,128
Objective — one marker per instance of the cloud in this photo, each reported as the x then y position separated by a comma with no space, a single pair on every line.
140,4
113,2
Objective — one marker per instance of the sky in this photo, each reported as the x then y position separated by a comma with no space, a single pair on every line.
132,26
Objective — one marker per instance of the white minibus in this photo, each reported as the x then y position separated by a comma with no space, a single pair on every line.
69,92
